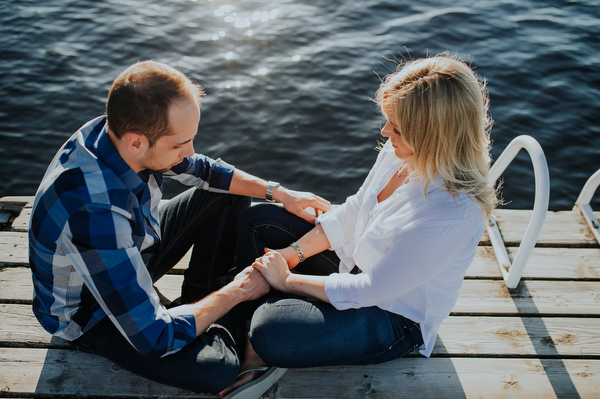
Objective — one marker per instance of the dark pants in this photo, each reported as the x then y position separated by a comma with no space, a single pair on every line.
294,332
211,363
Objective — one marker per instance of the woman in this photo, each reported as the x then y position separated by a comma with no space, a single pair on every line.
387,265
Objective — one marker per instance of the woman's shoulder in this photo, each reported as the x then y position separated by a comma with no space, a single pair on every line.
450,206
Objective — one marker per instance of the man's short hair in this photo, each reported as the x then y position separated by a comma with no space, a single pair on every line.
140,97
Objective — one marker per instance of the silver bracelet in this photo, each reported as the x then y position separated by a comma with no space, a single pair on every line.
271,185
298,251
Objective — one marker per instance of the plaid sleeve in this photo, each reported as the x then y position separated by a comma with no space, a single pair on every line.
203,172
98,242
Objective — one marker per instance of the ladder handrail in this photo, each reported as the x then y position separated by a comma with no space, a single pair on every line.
512,272
588,190
583,203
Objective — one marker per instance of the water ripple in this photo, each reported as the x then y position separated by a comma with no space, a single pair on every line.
290,83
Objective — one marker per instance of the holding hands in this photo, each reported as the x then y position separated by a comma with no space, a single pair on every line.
273,268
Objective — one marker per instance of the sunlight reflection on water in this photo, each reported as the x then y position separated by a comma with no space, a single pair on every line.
289,84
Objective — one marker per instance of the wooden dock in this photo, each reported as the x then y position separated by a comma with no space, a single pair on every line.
540,340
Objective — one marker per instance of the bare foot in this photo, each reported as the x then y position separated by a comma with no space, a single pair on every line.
251,370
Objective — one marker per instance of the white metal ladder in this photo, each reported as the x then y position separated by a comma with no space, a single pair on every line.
583,203
512,271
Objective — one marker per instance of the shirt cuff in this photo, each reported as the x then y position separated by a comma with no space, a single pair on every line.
334,285
332,227
185,314
222,179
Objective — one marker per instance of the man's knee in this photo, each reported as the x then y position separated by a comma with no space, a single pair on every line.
259,215
214,361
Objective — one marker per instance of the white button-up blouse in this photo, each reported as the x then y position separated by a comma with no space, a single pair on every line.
413,250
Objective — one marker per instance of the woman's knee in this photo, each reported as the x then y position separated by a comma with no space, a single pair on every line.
263,322
283,326
269,324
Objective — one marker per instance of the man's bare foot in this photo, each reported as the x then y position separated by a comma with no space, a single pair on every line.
252,368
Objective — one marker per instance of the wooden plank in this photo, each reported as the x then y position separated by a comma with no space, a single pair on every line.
21,222
445,378
16,202
27,371
170,286
487,297
14,249
458,336
20,328
16,285
477,297
51,372
562,263
544,263
564,228
515,336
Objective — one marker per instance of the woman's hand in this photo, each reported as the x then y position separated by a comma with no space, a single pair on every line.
274,269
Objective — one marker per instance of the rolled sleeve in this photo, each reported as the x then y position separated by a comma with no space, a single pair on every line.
336,289
203,172
332,226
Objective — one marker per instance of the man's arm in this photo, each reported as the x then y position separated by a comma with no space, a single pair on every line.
312,243
295,202
247,285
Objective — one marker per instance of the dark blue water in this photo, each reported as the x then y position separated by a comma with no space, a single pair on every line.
290,83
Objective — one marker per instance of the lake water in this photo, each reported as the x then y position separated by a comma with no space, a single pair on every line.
289,83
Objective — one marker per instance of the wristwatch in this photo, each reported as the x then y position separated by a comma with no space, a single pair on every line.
271,185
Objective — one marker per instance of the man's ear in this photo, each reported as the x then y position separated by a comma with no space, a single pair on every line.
135,142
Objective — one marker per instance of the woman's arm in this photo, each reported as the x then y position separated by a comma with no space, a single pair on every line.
312,243
275,270
415,257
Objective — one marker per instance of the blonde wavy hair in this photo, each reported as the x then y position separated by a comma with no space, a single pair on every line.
441,111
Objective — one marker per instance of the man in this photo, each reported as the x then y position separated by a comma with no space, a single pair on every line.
99,240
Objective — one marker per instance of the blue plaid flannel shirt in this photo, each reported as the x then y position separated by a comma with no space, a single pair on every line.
94,225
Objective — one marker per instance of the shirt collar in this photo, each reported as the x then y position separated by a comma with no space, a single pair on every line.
109,155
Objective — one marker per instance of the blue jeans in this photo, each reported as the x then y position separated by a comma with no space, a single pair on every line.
271,226
295,332
212,362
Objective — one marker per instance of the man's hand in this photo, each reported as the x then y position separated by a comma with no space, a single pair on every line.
249,284
252,283
297,202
